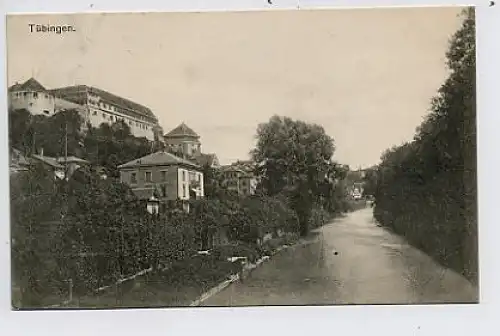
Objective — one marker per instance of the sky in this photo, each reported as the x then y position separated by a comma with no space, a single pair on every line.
366,75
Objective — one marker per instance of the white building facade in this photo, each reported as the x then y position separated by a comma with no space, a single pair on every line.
95,105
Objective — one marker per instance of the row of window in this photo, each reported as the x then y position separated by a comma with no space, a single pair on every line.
192,176
110,107
130,122
30,94
148,177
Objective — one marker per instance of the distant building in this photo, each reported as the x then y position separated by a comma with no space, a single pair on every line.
186,142
96,106
240,178
61,167
163,176
105,107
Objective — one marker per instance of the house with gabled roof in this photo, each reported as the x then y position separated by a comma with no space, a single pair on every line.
163,176
61,167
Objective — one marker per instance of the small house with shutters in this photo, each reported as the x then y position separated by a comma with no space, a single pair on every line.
163,176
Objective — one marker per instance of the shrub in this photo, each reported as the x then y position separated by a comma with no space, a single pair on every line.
319,217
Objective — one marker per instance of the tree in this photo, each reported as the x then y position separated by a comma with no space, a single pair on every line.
370,181
293,157
35,214
213,183
32,133
112,145
427,188
19,129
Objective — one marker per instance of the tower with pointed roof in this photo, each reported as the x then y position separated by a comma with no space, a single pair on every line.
184,140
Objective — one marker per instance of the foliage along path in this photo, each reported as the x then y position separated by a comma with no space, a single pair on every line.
353,261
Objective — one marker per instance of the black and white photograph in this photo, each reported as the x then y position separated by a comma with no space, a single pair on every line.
234,159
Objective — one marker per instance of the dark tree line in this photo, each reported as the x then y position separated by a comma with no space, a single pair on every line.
426,188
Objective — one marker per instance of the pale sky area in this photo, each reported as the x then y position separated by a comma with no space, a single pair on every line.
366,75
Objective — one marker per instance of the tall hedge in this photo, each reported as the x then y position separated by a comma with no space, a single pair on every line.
426,188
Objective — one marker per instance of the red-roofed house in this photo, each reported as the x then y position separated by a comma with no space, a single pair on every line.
163,175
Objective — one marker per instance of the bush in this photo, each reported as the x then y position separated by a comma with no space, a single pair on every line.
270,246
319,217
200,271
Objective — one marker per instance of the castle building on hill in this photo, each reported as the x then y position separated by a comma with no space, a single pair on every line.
95,105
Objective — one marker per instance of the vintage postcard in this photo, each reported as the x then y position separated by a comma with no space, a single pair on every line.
292,157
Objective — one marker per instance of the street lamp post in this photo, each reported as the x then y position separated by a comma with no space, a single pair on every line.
153,205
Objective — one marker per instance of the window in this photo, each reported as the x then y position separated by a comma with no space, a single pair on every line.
133,178
25,94
46,111
184,190
35,94
148,177
199,177
163,191
94,113
163,175
184,175
46,96
104,115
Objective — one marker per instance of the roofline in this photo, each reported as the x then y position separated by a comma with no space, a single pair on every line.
88,88
181,136
139,165
44,160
